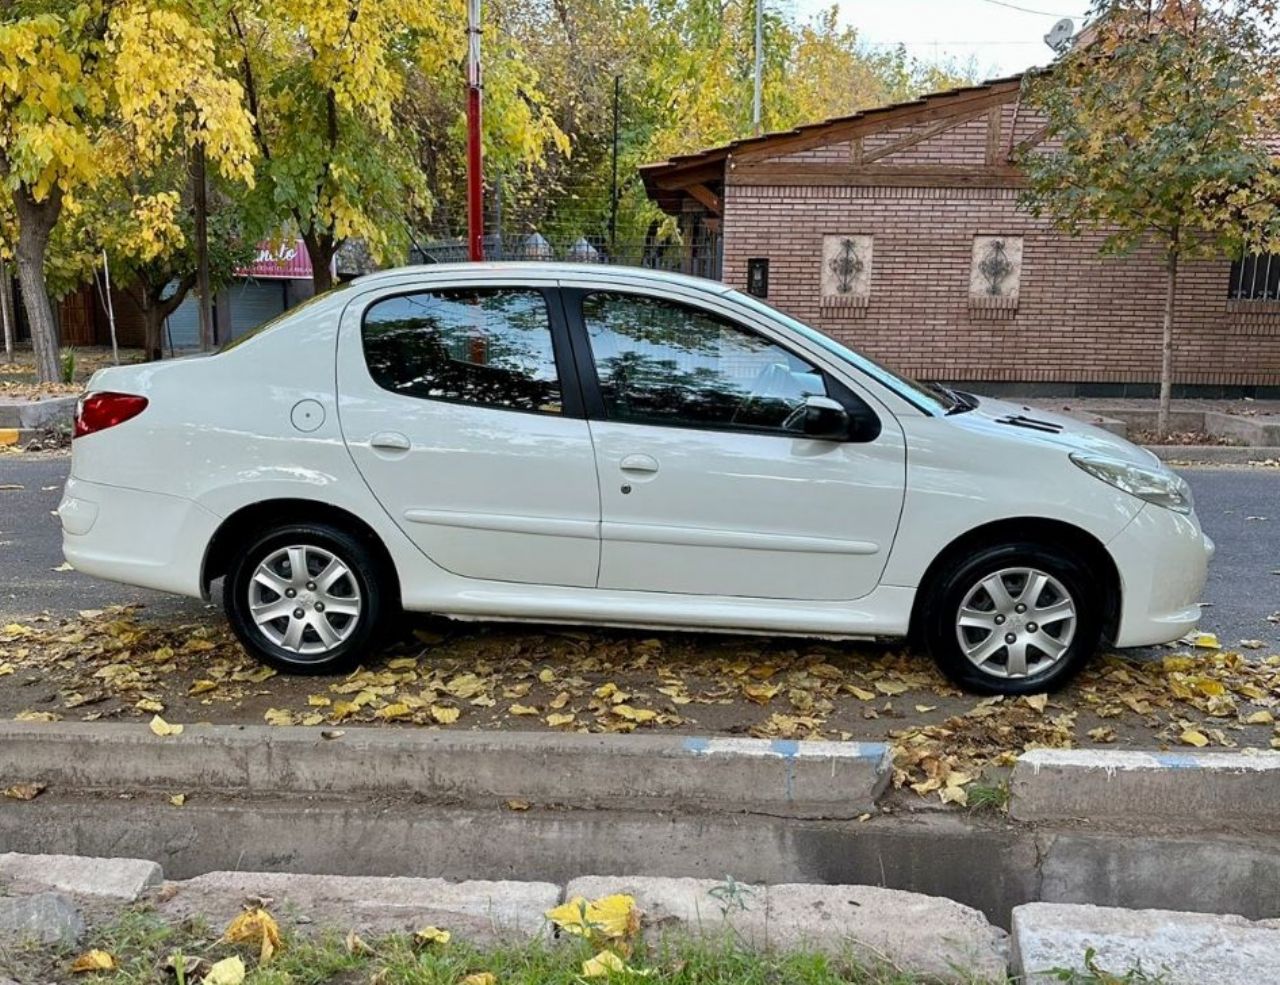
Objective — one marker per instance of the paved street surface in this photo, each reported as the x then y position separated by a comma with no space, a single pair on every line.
1240,508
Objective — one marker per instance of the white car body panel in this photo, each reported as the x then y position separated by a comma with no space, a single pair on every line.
504,515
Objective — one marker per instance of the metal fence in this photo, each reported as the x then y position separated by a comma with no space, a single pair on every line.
701,258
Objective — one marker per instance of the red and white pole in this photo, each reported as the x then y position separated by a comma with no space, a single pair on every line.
475,173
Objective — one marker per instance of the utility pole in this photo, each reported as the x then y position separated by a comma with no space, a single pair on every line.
759,73
475,174
613,196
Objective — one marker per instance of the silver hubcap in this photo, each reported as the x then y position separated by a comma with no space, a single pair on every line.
304,599
1017,622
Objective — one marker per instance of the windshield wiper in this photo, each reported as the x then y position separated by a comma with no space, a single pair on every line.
957,402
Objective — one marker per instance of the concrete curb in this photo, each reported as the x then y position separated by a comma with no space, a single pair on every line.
931,936
45,412
115,878
783,777
1215,454
1191,788
1182,948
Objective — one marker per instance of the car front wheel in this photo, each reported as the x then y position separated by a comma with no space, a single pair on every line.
1013,619
306,598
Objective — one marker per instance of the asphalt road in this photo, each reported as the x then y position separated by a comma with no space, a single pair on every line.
1240,508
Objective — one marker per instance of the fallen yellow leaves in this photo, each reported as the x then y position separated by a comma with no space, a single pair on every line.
163,729
95,960
610,918
609,923
257,928
24,791
228,971
428,936
109,663
603,964
480,978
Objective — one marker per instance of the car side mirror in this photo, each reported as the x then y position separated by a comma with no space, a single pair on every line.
825,419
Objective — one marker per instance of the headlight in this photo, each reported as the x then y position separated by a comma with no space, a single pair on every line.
1158,486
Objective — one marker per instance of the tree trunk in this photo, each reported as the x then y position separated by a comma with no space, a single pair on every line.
152,330
35,223
200,203
320,248
1166,346
6,311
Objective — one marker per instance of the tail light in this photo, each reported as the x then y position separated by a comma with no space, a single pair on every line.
99,411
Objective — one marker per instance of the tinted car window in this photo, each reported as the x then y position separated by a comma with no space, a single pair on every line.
662,362
490,347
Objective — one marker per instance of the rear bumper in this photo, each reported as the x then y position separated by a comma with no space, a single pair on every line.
1163,559
140,538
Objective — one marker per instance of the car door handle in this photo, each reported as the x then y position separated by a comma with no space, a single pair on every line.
389,441
639,463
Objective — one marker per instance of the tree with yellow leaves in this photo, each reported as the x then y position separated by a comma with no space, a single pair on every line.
91,89
328,84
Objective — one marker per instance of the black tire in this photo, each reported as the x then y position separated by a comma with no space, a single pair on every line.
951,588
365,582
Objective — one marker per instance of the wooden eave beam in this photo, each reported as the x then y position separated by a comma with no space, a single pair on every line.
786,174
911,139
707,197
876,121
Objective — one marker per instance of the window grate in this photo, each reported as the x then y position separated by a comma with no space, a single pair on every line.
1255,277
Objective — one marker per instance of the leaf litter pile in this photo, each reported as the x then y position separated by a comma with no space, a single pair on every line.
115,665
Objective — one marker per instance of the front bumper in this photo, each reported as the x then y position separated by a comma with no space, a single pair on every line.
140,538
1163,559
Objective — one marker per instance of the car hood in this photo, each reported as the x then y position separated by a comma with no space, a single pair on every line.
1022,423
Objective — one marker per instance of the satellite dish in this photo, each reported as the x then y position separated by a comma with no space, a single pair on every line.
1060,35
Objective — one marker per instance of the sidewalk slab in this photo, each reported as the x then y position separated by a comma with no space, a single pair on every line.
1199,788
797,779
923,935
116,878
478,911
1184,948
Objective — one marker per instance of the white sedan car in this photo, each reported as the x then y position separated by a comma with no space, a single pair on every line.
618,447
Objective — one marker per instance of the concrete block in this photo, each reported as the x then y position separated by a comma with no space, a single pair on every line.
1245,430
45,412
1144,418
1183,948
1215,454
45,918
482,912
689,906
1202,788
802,779
922,935
116,878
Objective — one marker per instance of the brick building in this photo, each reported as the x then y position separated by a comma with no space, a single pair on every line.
897,230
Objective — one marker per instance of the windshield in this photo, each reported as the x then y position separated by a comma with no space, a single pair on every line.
253,333
931,400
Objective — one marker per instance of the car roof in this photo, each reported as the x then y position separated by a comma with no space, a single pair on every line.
542,270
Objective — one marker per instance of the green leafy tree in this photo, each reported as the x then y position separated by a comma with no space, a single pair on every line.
331,86
1157,132
684,78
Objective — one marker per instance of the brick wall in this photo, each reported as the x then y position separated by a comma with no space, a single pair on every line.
1080,317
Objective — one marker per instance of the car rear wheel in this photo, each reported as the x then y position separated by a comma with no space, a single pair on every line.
307,598
1013,619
